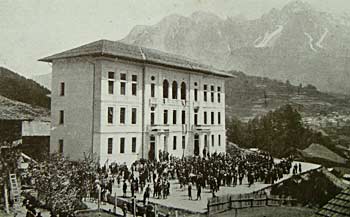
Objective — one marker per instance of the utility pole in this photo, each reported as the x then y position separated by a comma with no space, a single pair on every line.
6,199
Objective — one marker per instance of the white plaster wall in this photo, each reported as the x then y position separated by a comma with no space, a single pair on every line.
77,105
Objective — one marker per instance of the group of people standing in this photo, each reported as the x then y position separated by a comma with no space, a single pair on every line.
210,172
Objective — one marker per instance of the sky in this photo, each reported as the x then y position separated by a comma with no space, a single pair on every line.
32,29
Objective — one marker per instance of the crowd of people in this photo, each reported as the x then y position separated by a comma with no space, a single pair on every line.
210,172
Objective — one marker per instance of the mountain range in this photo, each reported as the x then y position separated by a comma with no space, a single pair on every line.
295,43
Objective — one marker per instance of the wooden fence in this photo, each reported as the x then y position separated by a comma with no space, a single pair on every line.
240,201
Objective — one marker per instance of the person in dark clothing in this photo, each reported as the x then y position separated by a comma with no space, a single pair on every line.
146,194
199,192
190,191
132,187
125,187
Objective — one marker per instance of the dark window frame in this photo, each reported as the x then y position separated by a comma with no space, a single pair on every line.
62,88
122,145
133,144
110,115
110,145
61,117
122,115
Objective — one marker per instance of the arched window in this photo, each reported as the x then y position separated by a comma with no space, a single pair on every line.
174,89
165,89
183,91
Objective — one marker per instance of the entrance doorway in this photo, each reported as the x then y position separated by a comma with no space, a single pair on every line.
196,145
152,148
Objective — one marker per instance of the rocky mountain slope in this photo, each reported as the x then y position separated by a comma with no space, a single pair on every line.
295,43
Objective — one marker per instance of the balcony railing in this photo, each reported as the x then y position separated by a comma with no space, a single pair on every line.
200,128
158,128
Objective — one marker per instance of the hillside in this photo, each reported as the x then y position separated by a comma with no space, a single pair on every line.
248,96
44,80
18,88
14,110
295,43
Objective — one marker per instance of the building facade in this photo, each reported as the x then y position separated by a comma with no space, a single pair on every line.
123,102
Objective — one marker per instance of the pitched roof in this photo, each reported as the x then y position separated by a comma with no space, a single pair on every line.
338,206
136,53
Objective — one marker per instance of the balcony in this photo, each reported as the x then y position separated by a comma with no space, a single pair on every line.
162,128
201,128
177,102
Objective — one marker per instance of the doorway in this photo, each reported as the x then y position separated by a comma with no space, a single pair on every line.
152,148
196,145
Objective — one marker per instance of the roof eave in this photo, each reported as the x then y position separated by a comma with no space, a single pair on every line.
223,74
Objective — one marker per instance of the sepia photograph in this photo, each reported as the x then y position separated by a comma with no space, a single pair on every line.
174,108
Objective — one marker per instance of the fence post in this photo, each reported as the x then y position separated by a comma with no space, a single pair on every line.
115,203
208,207
230,204
240,200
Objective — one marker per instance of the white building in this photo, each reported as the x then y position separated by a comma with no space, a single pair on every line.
123,102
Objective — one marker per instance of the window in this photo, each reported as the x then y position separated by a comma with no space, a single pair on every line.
183,91
219,94
174,90
174,116
165,116
153,87
110,75
212,93
205,140
110,115
205,118
122,84
183,142
174,143
212,117
110,146
133,115
212,140
152,115
205,89
219,118
122,145
110,82
61,117
122,115
133,144
134,85
219,140
60,146
62,89
196,118
196,94
183,117
110,87
165,89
